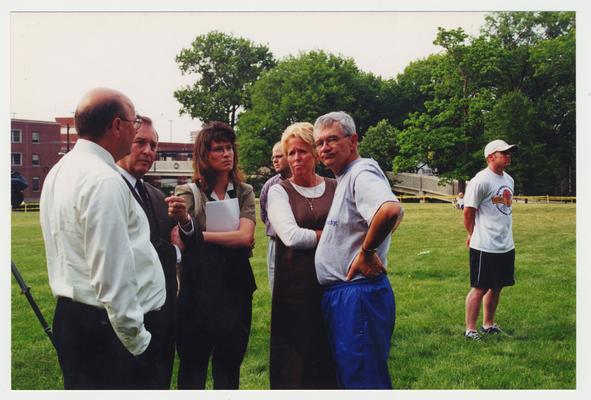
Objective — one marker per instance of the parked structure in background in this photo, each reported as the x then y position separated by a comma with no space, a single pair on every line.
421,185
36,146
68,134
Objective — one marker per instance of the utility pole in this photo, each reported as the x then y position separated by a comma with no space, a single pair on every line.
67,138
170,120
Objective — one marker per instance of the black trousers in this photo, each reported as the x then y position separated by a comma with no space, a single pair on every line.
156,373
197,342
91,355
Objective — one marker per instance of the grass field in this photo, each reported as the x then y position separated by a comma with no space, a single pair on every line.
428,269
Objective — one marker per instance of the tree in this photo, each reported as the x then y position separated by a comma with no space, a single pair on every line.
379,143
554,91
301,88
532,160
226,67
448,134
412,88
547,43
515,81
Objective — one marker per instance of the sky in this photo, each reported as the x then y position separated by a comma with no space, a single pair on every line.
56,57
51,58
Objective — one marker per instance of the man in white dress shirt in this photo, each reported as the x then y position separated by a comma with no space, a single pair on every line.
102,268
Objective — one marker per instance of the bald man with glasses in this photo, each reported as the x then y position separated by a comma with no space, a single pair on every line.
102,268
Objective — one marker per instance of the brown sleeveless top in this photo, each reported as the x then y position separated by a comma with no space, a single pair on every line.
309,213
300,357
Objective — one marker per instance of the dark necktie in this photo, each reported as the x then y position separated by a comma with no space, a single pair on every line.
147,205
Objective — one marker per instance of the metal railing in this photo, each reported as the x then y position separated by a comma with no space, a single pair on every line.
27,207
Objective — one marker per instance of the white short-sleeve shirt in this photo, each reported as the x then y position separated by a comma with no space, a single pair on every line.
492,197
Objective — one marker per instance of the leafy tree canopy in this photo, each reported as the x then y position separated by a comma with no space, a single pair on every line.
379,143
515,81
301,88
225,67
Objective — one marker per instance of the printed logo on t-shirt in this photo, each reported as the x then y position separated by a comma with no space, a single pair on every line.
332,222
503,200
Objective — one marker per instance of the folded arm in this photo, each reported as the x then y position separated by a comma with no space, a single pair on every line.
243,237
284,223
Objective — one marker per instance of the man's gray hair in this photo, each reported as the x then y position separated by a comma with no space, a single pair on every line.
344,119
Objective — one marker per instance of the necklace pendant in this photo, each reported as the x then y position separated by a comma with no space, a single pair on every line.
310,203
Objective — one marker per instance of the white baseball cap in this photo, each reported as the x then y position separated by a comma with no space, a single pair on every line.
497,145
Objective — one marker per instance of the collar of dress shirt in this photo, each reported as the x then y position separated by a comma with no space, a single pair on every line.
130,178
230,187
91,147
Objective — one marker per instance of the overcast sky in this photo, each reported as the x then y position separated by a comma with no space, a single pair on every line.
56,57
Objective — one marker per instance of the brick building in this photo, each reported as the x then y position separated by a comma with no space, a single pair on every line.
167,151
35,148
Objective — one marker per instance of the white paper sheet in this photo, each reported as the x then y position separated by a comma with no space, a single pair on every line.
222,216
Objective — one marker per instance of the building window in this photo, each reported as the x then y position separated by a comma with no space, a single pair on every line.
16,135
35,184
16,158
35,159
35,137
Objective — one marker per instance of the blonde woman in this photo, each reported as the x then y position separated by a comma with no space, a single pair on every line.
298,206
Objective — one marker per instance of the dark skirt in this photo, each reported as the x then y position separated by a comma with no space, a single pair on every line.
300,354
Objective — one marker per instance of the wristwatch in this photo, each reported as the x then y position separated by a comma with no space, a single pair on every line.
368,251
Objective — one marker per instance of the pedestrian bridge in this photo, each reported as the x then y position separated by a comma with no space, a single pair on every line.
421,185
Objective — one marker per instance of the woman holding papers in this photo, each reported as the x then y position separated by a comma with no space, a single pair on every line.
297,209
216,283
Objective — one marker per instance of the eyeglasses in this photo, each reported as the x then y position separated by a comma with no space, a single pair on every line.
330,141
137,122
506,152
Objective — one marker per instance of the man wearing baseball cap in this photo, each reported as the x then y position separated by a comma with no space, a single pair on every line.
488,220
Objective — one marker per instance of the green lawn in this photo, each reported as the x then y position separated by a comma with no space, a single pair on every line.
428,265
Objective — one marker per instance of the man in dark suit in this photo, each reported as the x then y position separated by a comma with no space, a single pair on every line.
133,167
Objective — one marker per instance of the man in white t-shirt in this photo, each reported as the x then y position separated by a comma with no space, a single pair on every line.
459,201
488,220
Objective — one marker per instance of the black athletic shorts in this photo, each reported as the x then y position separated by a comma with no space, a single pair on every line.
492,270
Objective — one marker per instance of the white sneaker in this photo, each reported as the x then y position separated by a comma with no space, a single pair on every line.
473,335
